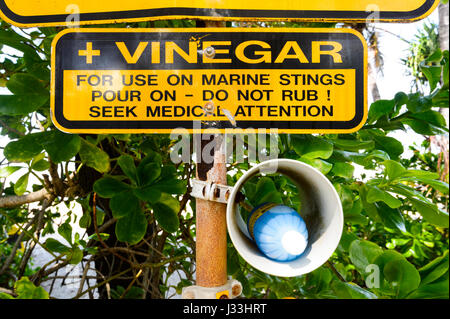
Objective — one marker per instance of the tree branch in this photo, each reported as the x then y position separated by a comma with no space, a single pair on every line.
7,291
10,129
334,270
13,201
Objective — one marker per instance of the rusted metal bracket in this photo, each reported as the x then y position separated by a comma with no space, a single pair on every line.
210,191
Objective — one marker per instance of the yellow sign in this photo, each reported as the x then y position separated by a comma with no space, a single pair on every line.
28,13
136,81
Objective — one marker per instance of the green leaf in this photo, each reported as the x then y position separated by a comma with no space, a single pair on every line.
126,163
320,279
312,147
85,220
363,159
55,246
25,289
435,56
149,146
354,215
403,274
148,173
392,218
29,95
5,296
171,186
342,169
122,137
103,236
418,103
148,194
436,184
431,212
392,146
124,203
40,164
75,256
13,105
346,196
441,98
24,149
233,266
16,41
376,194
406,191
434,269
36,66
363,253
266,192
432,73
353,145
424,128
346,240
100,216
170,202
419,174
65,230
321,165
445,73
370,209
394,169
26,84
432,117
108,187
152,157
168,172
382,260
166,217
249,190
380,108
20,187
94,157
401,98
132,227
438,289
427,123
8,170
344,290
61,147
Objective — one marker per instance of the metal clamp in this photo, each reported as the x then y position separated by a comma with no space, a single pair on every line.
210,191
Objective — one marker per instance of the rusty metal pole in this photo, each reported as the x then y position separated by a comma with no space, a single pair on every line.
211,234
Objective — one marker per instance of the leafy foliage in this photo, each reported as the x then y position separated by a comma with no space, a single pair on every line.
26,290
395,241
426,42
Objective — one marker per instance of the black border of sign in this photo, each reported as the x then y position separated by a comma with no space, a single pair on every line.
221,14
165,126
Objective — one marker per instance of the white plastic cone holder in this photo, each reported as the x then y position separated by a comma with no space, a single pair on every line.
321,209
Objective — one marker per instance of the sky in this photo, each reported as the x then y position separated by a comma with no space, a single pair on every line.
394,50
394,78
